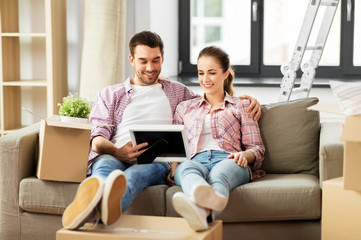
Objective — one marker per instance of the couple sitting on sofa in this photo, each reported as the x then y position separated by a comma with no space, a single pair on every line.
225,142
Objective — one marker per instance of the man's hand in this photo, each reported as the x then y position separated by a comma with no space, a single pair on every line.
128,153
254,109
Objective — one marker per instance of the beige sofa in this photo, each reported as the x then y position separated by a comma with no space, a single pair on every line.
285,204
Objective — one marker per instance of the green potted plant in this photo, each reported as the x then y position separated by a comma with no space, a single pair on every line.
74,109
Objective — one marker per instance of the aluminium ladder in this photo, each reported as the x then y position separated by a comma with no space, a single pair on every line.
309,67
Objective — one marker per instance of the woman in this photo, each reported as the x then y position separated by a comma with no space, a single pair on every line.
225,144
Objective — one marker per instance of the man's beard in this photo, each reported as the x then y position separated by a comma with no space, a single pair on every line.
147,81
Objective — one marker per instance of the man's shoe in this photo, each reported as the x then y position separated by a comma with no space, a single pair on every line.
114,188
205,196
195,216
84,206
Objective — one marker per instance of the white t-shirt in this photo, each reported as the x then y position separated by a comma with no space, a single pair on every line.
148,105
206,141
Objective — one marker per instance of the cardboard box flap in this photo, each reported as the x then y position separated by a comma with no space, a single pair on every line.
352,129
56,123
327,107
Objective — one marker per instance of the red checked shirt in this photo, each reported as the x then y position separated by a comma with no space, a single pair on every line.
231,128
110,103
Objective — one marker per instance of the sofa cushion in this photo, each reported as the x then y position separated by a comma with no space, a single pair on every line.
275,197
150,202
52,197
291,137
45,196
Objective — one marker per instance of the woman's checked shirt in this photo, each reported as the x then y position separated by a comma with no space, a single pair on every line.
231,128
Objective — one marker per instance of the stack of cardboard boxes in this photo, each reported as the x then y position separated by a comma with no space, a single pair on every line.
341,197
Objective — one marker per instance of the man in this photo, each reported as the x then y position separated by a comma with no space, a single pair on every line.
115,178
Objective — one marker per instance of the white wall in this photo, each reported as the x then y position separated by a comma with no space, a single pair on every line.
75,14
160,16
31,14
266,95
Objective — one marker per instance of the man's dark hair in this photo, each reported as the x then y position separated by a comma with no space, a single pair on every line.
147,38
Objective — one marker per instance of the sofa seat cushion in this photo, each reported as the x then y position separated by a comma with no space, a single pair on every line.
275,197
52,197
150,202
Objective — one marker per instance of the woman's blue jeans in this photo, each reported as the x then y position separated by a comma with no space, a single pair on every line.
211,167
139,176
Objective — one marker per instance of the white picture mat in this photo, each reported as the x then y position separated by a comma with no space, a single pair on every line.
163,128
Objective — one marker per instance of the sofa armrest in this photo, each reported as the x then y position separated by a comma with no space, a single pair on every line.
18,152
17,161
331,151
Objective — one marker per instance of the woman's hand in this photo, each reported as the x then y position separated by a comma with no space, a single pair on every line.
239,158
170,177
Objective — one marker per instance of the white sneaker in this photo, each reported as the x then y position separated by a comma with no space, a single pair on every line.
83,208
205,196
114,188
195,216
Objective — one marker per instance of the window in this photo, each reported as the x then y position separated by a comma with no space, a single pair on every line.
357,36
215,23
260,35
280,33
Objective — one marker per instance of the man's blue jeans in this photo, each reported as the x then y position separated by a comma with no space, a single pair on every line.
139,176
211,167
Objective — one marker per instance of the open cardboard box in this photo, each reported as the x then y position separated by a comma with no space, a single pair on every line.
341,211
132,227
63,150
352,151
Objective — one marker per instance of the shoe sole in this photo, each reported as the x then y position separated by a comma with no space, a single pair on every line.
86,199
206,197
114,189
182,206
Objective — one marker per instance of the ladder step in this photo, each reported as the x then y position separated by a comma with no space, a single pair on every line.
299,89
314,47
308,68
329,2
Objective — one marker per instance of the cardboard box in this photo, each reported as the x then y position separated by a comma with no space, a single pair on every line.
63,151
131,227
352,151
341,211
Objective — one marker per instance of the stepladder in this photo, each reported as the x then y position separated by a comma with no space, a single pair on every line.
289,70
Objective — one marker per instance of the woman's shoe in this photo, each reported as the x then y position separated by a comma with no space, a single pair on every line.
205,196
195,216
